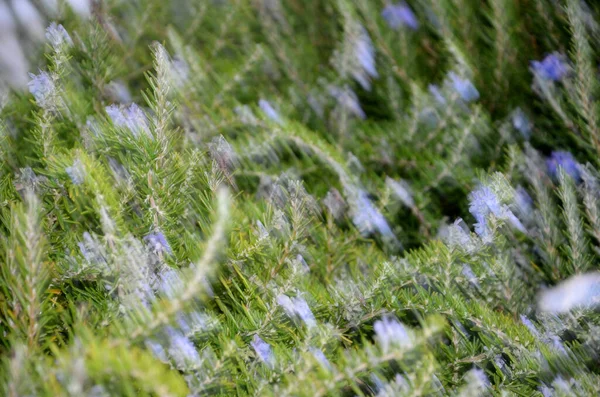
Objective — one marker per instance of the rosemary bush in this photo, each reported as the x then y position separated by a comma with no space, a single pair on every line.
299,198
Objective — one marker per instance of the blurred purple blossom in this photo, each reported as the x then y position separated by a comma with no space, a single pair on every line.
365,55
401,190
263,351
182,350
320,357
132,117
553,67
297,306
76,172
169,282
435,91
58,36
42,88
269,111
398,15
367,218
521,123
158,242
463,87
389,332
564,160
482,202
347,99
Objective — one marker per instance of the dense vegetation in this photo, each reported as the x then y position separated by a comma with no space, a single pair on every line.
299,197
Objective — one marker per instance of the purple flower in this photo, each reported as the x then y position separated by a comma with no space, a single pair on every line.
527,322
482,203
320,357
521,123
157,349
389,332
437,94
463,87
158,242
367,217
397,15
578,291
365,55
132,117
402,191
58,36
566,161
269,111
553,67
42,87
348,100
263,351
169,282
297,307
182,350
76,172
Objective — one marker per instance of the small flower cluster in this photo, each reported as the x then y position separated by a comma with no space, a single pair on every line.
297,307
270,111
553,67
158,242
483,202
402,191
131,117
366,217
58,36
565,160
399,15
43,88
263,350
465,89
389,332
76,172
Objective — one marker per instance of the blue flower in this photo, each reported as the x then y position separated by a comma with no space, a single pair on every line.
182,350
297,307
566,161
389,332
58,36
269,111
157,349
365,55
527,323
553,67
437,94
169,282
42,87
348,100
397,15
132,118
401,190
463,87
483,202
263,351
521,123
320,357
76,172
158,242
367,217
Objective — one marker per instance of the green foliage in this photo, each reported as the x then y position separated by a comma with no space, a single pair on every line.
267,198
